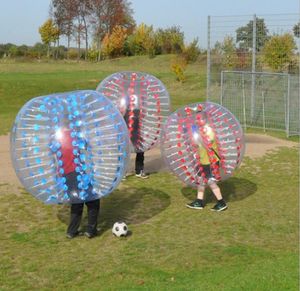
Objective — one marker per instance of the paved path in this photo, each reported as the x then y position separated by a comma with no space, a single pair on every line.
256,146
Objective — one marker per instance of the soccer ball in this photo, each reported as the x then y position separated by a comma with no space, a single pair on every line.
120,229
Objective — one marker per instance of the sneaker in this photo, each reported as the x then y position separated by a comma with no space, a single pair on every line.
142,175
197,204
72,235
220,206
124,178
89,235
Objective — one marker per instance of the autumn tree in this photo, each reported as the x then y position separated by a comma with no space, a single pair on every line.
106,14
49,33
113,44
278,51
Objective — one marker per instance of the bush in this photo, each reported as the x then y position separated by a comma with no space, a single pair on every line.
92,54
73,54
191,52
278,52
178,67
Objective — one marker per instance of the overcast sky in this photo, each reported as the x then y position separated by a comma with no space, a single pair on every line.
20,19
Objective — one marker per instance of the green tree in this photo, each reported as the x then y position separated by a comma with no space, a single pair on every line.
244,35
49,33
141,42
169,40
278,51
191,52
228,52
296,30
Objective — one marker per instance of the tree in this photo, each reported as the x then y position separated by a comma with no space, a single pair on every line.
63,12
244,35
296,30
113,44
49,33
170,40
106,14
191,52
83,13
278,51
228,51
142,40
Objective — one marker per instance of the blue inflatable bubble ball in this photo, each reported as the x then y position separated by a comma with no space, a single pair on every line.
144,102
202,143
70,148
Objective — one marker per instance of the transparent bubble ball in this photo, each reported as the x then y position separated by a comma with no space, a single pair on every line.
202,143
144,102
70,147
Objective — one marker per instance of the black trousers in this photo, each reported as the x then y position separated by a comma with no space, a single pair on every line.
139,163
93,207
76,214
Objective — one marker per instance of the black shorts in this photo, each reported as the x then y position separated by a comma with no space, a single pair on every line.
207,171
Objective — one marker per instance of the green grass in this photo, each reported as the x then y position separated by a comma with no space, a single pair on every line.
252,246
20,82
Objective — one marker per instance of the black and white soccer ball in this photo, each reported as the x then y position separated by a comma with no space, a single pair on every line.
120,229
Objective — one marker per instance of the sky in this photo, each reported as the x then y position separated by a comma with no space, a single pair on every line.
20,19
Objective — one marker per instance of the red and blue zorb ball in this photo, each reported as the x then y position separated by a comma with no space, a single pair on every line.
202,135
70,147
144,102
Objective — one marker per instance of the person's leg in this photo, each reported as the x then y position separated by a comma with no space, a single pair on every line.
139,166
198,203
139,163
216,190
75,218
200,192
221,204
93,212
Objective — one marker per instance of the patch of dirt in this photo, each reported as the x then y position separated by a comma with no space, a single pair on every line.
257,145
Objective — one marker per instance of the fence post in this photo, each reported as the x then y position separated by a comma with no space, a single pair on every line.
244,101
221,97
253,68
208,70
288,107
263,108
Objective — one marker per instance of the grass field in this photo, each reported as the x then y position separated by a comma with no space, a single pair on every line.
254,245
19,82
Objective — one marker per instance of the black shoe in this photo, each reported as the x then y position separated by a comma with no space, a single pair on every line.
220,206
197,204
142,175
72,235
89,235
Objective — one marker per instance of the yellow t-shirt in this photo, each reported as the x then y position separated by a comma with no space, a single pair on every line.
203,154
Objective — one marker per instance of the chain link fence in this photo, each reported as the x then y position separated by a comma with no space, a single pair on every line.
274,104
259,58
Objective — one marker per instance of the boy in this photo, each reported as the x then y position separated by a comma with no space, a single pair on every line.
69,173
132,119
209,164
